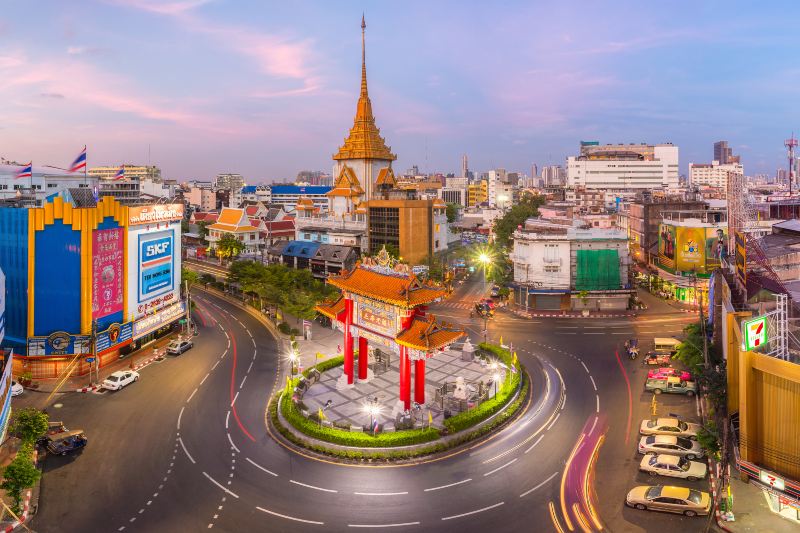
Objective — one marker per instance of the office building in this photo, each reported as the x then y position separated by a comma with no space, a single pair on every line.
133,172
232,182
714,174
724,155
43,184
624,166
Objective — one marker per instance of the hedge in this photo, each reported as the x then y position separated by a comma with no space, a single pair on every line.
511,382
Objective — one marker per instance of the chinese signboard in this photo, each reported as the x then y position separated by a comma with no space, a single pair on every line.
755,333
114,335
153,214
145,325
107,265
379,319
156,263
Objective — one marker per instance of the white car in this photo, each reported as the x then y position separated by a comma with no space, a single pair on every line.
669,426
178,347
16,389
655,444
119,379
672,466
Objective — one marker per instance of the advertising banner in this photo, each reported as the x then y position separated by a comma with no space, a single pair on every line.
666,246
716,248
741,257
59,343
107,269
145,325
115,335
153,214
156,264
690,249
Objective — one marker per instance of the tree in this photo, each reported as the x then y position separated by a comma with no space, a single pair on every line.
20,474
29,424
527,207
185,227
202,229
690,351
189,277
229,246
452,212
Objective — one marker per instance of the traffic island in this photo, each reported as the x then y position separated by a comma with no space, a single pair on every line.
299,419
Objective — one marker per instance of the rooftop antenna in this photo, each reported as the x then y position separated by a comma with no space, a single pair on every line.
790,144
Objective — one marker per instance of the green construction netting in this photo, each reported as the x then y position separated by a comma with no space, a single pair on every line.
598,270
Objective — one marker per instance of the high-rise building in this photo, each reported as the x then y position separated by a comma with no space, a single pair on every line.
554,176
464,166
232,182
724,154
624,166
714,174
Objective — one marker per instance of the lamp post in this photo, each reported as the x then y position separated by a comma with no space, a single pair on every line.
496,379
292,361
485,260
374,410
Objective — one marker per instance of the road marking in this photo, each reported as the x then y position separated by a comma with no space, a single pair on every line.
179,417
290,517
205,378
584,367
191,395
597,396
593,383
260,467
593,333
227,417
234,398
500,467
380,493
242,384
311,486
384,525
232,444
539,485
220,486
565,333
252,339
535,443
553,423
215,365
249,368
448,486
186,452
594,424
473,512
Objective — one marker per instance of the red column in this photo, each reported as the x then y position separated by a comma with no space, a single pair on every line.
348,340
419,381
405,378
363,357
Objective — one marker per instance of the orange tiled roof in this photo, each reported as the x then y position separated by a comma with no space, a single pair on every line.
305,203
426,334
230,215
397,290
230,228
347,184
331,310
386,177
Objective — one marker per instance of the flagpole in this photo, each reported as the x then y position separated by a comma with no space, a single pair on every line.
85,166
33,193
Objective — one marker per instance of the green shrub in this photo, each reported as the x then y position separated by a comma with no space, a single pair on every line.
284,328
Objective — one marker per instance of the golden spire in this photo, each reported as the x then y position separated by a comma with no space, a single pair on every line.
364,140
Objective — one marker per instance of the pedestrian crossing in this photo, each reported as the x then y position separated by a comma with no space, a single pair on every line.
455,305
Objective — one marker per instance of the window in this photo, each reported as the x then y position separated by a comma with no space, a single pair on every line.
552,268
52,185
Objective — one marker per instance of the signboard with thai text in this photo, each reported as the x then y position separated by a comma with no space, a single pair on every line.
154,214
115,335
145,325
59,343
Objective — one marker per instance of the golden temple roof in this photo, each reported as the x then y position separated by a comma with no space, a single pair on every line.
427,335
386,177
364,140
402,291
347,184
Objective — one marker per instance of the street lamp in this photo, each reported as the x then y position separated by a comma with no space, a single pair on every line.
292,361
496,379
374,409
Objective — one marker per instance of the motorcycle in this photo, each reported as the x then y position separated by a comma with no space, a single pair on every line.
632,348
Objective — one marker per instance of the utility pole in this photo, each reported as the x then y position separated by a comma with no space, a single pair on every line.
94,353
188,310
699,298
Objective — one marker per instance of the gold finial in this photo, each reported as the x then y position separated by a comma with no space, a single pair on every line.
363,57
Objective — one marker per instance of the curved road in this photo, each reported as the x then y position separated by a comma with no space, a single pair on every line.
186,448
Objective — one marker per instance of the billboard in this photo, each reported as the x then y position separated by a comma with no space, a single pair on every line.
163,317
154,214
107,272
666,246
685,249
59,343
755,333
741,257
156,264
116,334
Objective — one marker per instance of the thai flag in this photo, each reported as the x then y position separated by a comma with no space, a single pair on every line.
25,172
375,427
80,162
120,173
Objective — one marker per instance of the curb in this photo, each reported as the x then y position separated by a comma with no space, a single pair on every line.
26,505
551,315
138,366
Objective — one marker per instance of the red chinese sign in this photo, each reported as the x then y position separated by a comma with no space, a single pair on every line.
379,320
107,265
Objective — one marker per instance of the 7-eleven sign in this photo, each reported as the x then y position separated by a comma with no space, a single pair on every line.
755,333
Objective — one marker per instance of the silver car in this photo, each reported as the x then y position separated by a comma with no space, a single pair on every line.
669,426
670,445
672,466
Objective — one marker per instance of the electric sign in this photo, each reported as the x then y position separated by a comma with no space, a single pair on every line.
755,333
155,265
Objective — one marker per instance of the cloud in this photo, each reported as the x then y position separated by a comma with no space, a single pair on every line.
163,8
82,50
51,95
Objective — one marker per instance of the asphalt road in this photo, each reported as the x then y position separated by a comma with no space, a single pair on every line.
186,448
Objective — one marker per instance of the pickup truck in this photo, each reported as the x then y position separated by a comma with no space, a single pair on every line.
673,385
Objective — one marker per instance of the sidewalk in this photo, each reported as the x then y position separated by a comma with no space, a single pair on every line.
751,511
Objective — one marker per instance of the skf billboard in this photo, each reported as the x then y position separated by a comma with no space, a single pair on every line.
154,266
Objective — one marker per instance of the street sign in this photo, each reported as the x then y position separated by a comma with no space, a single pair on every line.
90,359
755,333
773,481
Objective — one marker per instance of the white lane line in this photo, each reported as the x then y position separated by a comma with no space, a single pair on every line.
252,339
186,451
584,367
499,467
384,525
290,517
311,486
594,333
561,333
220,486
229,343
191,395
380,493
215,365
234,398
539,485
473,512
598,402
249,368
179,417
594,424
260,467
593,383
553,423
205,378
448,486
242,384
232,444
227,418
535,443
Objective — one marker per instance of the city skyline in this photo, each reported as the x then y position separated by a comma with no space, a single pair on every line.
204,87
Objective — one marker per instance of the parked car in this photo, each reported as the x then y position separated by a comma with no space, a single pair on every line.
655,444
656,359
681,500
672,385
672,466
178,347
16,389
66,442
666,372
120,379
669,426
53,428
